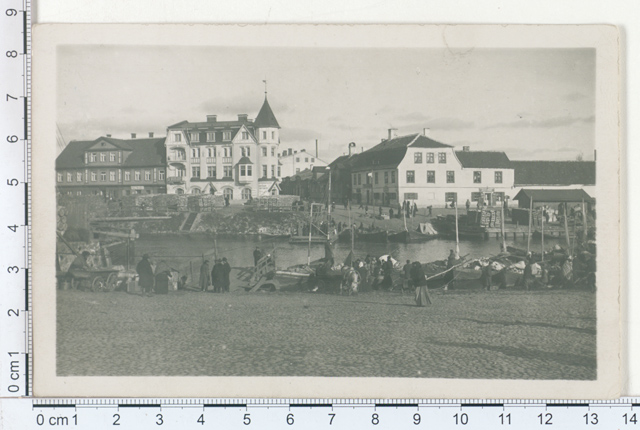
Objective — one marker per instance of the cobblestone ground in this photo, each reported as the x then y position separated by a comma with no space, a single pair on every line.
503,334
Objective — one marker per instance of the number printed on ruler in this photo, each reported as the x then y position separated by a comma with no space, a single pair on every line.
14,217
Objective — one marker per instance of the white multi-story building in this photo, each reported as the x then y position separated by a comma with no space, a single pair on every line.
237,159
422,170
293,162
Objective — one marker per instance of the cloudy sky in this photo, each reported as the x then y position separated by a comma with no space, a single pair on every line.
532,104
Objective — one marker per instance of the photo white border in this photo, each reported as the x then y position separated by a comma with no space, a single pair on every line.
602,37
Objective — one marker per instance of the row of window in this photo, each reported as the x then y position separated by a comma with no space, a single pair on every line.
451,177
93,157
245,170
389,177
211,136
227,152
442,157
102,176
306,159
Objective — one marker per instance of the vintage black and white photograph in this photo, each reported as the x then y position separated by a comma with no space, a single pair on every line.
410,212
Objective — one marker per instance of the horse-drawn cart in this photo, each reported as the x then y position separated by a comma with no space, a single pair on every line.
96,280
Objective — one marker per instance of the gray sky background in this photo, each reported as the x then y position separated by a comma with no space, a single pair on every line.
532,104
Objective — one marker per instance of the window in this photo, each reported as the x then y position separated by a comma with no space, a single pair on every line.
127,176
306,159
92,157
386,177
273,151
161,175
264,151
246,194
245,135
393,176
195,152
451,197
195,137
226,152
451,177
226,135
147,175
297,159
368,178
264,135
228,193
476,196
392,196
273,134
273,170
177,137
279,171
78,193
411,196
477,177
94,176
243,170
69,177
195,191
313,160
248,151
431,176
355,179
417,157
103,176
375,178
227,171
181,173
211,152
442,157
112,175
195,171
59,177
112,157
211,172
243,151
359,179
211,136
264,171
103,157
430,158
411,177
498,177
79,176
136,175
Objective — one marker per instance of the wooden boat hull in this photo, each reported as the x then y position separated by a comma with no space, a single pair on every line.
304,240
410,237
378,236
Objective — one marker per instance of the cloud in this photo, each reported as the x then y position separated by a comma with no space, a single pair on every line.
299,134
544,123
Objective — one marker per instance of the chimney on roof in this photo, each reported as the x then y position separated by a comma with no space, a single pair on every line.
133,135
108,135
465,149
151,134
303,150
295,152
212,118
391,133
426,132
242,117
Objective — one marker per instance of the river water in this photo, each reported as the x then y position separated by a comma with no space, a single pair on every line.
181,250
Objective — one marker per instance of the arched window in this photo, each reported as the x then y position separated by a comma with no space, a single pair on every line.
195,191
228,193
246,194
179,191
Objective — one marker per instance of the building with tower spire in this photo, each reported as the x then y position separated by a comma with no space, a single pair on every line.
237,159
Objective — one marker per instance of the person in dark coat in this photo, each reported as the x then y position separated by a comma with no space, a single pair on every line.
387,269
145,272
205,276
226,270
257,255
217,277
80,263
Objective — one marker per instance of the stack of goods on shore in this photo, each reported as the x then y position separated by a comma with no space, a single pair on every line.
485,218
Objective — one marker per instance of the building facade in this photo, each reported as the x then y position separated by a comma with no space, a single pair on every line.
237,159
293,162
429,173
112,167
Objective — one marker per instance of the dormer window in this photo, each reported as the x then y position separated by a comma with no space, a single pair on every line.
226,135
245,135
195,137
177,137
211,137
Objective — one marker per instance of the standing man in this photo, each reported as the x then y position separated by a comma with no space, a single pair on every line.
415,209
406,279
216,277
205,276
226,270
257,255
468,205
145,272
387,269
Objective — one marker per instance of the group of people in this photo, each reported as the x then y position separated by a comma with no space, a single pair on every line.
218,276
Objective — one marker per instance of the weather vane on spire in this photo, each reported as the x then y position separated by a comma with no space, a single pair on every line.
265,87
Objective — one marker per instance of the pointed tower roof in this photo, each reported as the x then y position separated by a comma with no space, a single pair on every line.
265,117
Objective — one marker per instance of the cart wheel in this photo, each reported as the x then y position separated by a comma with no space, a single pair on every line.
112,282
98,284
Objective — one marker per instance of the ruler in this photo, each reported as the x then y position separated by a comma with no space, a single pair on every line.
317,414
15,147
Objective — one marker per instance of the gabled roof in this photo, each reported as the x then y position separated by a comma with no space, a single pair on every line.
265,117
144,152
244,160
390,152
484,159
552,196
554,172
